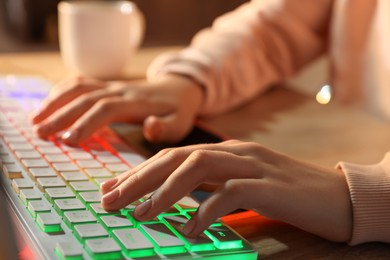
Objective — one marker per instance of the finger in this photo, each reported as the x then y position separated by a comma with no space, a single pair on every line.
169,128
62,94
202,166
68,114
142,182
232,195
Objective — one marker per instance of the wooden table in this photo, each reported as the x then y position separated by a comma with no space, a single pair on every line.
283,119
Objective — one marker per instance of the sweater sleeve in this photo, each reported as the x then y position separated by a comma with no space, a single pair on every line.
369,187
248,49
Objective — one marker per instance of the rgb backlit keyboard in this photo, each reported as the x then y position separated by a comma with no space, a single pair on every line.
54,191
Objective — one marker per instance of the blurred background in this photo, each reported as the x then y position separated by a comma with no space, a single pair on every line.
31,25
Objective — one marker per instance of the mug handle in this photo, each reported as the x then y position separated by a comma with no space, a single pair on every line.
137,32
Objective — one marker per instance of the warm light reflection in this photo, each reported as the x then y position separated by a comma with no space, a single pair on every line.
126,8
324,95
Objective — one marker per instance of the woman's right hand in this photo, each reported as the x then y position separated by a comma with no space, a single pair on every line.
166,107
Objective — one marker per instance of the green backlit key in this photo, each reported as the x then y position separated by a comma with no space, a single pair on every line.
72,218
134,243
90,196
86,231
49,222
62,205
69,250
111,222
201,243
224,238
38,206
103,248
59,193
165,240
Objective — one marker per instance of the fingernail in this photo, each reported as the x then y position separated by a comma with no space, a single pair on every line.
70,136
188,227
110,197
142,208
108,185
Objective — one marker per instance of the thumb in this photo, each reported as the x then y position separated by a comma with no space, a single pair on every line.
167,128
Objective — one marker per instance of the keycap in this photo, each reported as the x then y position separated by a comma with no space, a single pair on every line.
67,204
72,218
38,206
74,176
22,183
111,222
89,164
49,222
29,194
98,210
50,182
134,242
224,237
200,243
90,196
66,167
28,155
42,172
99,173
69,250
103,248
55,158
117,167
59,193
166,241
80,155
12,171
86,231
79,186
34,163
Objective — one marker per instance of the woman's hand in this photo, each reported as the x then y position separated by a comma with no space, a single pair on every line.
249,176
166,107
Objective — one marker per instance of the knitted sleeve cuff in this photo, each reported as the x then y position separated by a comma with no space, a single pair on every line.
369,187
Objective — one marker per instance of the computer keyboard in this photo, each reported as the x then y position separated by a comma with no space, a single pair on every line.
54,193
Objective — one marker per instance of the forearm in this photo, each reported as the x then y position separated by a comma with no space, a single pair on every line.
247,50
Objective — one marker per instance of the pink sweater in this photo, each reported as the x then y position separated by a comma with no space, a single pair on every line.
263,42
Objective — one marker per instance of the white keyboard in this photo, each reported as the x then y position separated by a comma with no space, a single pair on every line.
54,191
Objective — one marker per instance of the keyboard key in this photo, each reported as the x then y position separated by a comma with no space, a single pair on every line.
103,248
22,183
224,238
90,196
79,186
89,164
49,222
61,205
74,176
134,242
69,250
59,193
42,172
66,167
80,155
50,182
86,231
200,243
99,173
28,155
34,163
12,171
167,242
111,222
72,218
38,206
56,158
98,210
117,167
29,194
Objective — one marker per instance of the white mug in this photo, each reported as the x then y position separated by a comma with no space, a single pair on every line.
98,38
